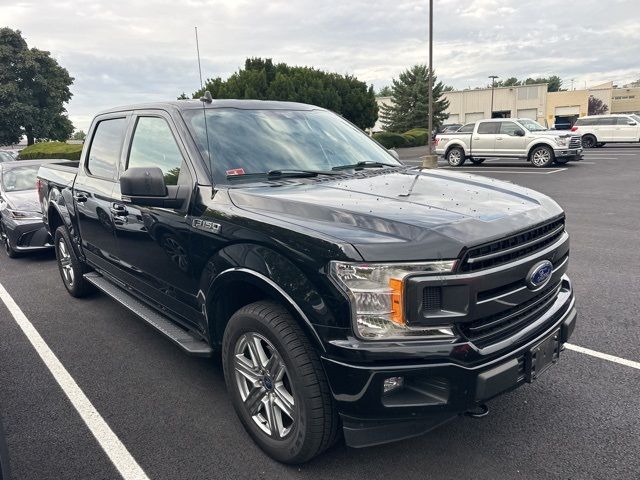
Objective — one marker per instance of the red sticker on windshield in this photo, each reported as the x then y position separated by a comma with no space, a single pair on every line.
236,171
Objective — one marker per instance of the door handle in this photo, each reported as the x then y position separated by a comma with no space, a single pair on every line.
499,138
80,197
119,210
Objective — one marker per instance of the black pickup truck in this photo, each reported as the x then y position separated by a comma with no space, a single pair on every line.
347,293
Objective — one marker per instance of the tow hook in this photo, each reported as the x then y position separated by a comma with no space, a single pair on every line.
478,412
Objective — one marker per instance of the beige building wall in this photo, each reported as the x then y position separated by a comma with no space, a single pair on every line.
575,102
471,105
625,100
381,101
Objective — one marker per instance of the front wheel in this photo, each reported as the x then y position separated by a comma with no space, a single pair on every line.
589,141
542,156
8,249
277,384
71,268
455,157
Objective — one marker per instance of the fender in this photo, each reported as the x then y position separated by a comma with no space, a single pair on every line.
247,274
537,142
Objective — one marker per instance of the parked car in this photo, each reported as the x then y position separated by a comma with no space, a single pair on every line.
446,128
21,227
346,292
6,156
512,138
597,130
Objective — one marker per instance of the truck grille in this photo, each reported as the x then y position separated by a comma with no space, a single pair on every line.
575,142
513,247
496,327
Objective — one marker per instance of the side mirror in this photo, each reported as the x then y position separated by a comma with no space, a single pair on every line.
632,123
144,186
394,154
518,133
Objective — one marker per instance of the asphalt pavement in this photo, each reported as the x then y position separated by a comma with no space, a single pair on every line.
581,420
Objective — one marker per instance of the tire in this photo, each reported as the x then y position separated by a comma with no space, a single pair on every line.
297,381
70,266
8,249
478,161
455,157
541,156
589,141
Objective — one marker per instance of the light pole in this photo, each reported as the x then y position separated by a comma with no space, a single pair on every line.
430,161
493,86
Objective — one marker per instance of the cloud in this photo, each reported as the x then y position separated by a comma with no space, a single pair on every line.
128,51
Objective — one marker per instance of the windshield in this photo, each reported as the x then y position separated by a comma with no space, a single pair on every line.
635,117
20,178
532,125
244,142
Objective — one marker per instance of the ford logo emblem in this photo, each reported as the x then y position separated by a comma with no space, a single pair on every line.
539,275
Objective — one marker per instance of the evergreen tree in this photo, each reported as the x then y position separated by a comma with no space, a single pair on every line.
410,102
261,79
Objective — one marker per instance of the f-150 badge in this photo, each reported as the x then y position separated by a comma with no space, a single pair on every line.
206,225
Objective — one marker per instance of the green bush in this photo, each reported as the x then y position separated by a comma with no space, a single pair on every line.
391,140
420,136
59,150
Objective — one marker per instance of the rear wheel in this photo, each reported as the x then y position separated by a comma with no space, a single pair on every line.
277,384
72,269
589,141
455,157
542,156
478,161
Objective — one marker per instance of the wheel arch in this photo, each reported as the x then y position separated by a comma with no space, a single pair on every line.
453,145
224,300
539,143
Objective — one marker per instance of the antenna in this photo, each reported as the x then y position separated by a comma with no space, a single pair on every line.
198,51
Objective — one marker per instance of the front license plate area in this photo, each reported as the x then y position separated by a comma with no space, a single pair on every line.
542,356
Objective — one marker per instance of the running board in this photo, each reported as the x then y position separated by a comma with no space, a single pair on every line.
189,342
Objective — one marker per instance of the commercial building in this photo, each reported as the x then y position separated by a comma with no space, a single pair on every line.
553,109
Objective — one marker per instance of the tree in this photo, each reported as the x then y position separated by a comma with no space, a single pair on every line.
261,79
635,84
597,106
79,135
33,91
384,91
410,103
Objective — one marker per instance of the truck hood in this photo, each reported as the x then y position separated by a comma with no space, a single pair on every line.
23,200
404,214
554,133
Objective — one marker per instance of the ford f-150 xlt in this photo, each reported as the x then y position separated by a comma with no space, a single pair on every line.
347,293
511,138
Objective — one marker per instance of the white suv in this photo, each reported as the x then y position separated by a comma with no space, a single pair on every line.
596,130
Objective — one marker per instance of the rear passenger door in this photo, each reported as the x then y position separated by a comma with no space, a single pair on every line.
153,242
93,190
483,141
605,129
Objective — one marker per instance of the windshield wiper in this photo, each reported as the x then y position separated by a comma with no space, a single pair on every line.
282,173
367,164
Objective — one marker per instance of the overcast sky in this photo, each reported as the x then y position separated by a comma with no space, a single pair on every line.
125,51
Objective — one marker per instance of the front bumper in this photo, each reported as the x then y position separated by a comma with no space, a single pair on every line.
27,235
568,152
437,392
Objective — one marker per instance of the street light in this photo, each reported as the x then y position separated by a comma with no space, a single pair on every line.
430,161
493,86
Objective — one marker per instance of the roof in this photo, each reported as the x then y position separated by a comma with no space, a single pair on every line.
183,105
608,115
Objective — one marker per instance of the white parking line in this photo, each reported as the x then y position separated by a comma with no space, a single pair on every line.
533,171
603,356
110,443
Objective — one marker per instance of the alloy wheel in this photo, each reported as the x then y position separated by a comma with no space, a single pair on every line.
454,158
264,385
64,257
541,157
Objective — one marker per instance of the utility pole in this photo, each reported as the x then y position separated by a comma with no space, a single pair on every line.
431,160
493,86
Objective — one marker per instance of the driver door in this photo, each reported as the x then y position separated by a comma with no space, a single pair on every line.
508,142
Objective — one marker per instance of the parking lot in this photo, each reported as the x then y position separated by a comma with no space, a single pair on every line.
172,415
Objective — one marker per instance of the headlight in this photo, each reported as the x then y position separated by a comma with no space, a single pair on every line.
562,141
376,291
20,215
